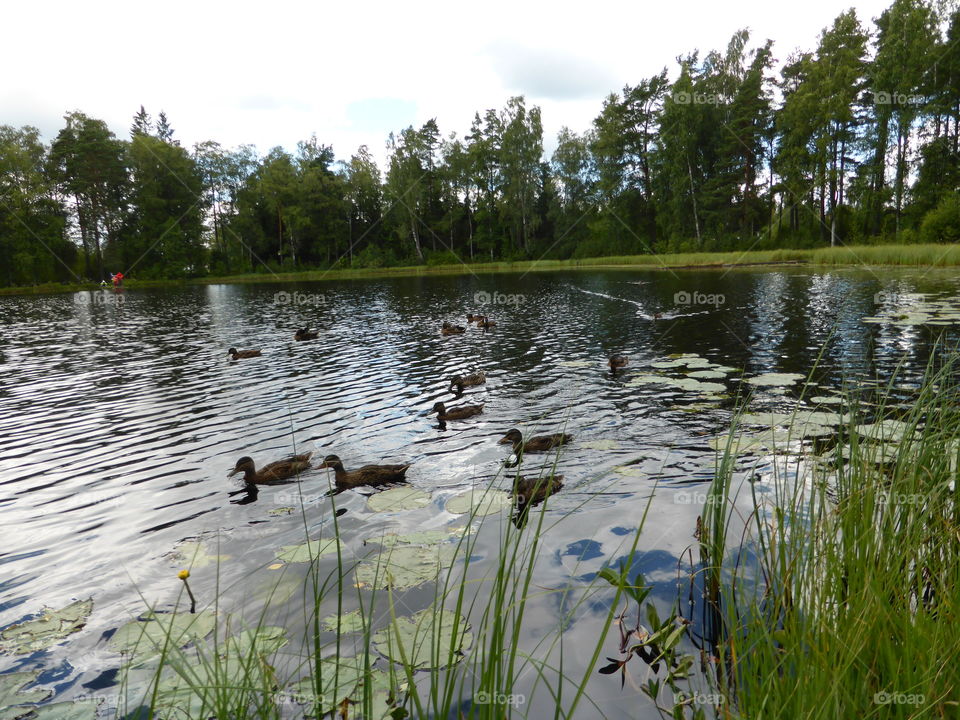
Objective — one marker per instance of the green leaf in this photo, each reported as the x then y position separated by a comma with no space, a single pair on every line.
12,693
431,638
144,639
308,551
47,630
397,499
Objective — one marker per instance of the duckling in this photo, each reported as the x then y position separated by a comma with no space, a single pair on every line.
533,491
461,381
304,334
448,329
456,413
485,323
617,362
237,354
538,443
367,475
272,473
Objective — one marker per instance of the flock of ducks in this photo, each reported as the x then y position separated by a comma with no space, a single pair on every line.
526,491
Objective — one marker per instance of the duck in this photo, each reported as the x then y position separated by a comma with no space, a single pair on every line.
237,354
456,413
485,323
538,443
658,316
305,334
367,475
533,491
448,329
461,381
474,318
272,473
617,362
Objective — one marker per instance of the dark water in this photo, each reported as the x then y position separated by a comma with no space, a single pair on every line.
119,419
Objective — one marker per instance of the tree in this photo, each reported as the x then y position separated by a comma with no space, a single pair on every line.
142,123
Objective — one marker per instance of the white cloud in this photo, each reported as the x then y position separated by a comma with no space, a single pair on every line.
351,72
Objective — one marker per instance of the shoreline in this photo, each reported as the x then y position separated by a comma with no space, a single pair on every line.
945,255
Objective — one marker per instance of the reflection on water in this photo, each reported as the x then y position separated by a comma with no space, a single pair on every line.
119,419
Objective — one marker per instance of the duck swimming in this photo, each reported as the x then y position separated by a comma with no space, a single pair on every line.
617,362
305,334
533,491
272,473
461,381
485,323
237,354
456,413
538,443
367,475
448,329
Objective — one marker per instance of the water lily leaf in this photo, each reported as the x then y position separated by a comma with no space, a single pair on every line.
479,502
308,551
885,430
693,385
397,499
707,374
67,711
420,537
640,380
347,678
12,693
405,566
276,512
193,555
430,638
797,419
277,590
827,400
49,629
351,621
748,443
600,445
775,379
263,640
143,639
575,363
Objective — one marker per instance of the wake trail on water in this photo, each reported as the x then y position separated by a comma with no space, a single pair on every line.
642,310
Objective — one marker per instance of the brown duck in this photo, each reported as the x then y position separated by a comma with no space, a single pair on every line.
305,334
538,443
367,475
461,381
533,491
485,323
474,318
448,329
237,354
456,413
272,473
617,362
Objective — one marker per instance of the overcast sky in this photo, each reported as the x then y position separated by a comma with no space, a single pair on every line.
273,73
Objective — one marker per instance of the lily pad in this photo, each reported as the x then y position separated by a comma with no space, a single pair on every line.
405,566
45,631
397,499
12,693
144,639
339,679
575,363
479,502
885,430
308,551
351,621
640,380
193,555
66,711
694,385
707,374
420,537
276,512
775,379
827,400
430,638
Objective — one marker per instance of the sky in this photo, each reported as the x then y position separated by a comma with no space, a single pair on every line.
351,72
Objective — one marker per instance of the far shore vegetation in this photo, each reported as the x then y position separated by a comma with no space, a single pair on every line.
855,142
878,255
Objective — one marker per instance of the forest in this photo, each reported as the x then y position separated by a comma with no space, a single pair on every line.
854,142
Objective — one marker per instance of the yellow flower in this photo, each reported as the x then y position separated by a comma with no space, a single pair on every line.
183,574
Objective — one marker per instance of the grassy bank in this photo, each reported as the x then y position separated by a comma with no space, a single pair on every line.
879,255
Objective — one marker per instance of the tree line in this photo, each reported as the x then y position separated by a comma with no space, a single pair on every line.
856,141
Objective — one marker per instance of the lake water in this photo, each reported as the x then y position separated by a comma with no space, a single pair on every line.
120,416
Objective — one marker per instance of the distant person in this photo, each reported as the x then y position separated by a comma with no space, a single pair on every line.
117,279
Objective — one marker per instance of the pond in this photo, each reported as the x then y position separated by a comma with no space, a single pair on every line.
121,415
